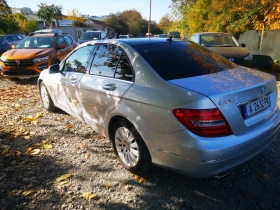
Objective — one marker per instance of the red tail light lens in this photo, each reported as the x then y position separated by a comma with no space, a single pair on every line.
204,122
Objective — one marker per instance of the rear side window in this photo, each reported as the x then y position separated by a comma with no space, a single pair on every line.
178,59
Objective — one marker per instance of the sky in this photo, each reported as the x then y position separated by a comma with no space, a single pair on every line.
101,7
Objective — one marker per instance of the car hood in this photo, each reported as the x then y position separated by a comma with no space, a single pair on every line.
231,52
26,53
230,89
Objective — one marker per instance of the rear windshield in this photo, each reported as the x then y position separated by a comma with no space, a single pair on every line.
179,59
90,36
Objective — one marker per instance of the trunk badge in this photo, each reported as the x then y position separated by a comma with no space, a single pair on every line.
17,62
263,89
231,59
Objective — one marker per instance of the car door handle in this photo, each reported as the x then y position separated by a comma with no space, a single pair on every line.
73,81
110,87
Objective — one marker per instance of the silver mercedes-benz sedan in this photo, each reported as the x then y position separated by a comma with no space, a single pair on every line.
166,102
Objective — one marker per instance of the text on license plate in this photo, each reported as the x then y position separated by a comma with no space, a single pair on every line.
256,106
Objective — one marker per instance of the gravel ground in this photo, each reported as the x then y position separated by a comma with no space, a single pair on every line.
53,161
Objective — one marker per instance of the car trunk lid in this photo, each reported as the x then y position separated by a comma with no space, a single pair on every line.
234,92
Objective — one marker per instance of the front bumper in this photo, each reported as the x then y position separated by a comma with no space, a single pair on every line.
27,69
200,157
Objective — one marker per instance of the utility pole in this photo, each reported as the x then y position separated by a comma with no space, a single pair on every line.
149,24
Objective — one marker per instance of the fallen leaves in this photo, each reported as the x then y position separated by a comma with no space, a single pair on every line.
31,118
63,177
263,175
29,192
89,196
5,149
139,179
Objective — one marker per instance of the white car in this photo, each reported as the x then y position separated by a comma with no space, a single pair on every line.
168,102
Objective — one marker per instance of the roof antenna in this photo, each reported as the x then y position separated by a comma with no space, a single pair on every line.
169,39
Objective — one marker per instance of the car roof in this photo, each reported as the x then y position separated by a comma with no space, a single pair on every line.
44,35
132,42
211,33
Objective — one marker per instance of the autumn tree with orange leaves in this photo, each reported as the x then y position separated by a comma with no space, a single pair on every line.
228,15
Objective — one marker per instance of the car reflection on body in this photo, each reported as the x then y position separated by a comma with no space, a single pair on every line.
168,102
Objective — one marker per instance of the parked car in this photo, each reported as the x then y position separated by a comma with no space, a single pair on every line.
226,45
12,39
48,31
92,35
35,53
4,46
125,36
160,36
169,102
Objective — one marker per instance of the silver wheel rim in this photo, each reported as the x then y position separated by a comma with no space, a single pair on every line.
45,97
126,146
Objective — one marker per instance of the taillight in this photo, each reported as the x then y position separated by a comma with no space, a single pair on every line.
204,122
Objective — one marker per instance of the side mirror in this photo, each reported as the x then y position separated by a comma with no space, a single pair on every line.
54,69
243,45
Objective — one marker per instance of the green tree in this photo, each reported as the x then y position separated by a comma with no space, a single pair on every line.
115,21
49,12
8,24
75,16
133,19
25,26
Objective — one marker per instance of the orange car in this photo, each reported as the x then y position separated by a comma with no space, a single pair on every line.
34,54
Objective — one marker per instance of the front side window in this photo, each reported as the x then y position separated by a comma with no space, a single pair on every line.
105,60
78,61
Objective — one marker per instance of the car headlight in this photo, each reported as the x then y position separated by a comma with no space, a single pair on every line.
248,57
37,60
2,59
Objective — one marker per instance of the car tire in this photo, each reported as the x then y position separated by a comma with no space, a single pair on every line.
46,98
130,148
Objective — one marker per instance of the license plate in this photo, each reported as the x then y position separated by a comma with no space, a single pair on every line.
256,106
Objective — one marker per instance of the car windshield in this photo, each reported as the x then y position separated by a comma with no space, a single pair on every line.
90,35
178,59
2,38
218,40
36,42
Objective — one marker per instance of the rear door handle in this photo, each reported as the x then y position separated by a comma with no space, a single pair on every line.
110,87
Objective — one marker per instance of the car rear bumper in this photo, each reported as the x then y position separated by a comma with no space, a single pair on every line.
202,157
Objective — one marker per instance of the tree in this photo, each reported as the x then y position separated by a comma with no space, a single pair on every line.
226,15
134,20
75,16
49,12
165,23
116,22
25,26
8,24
